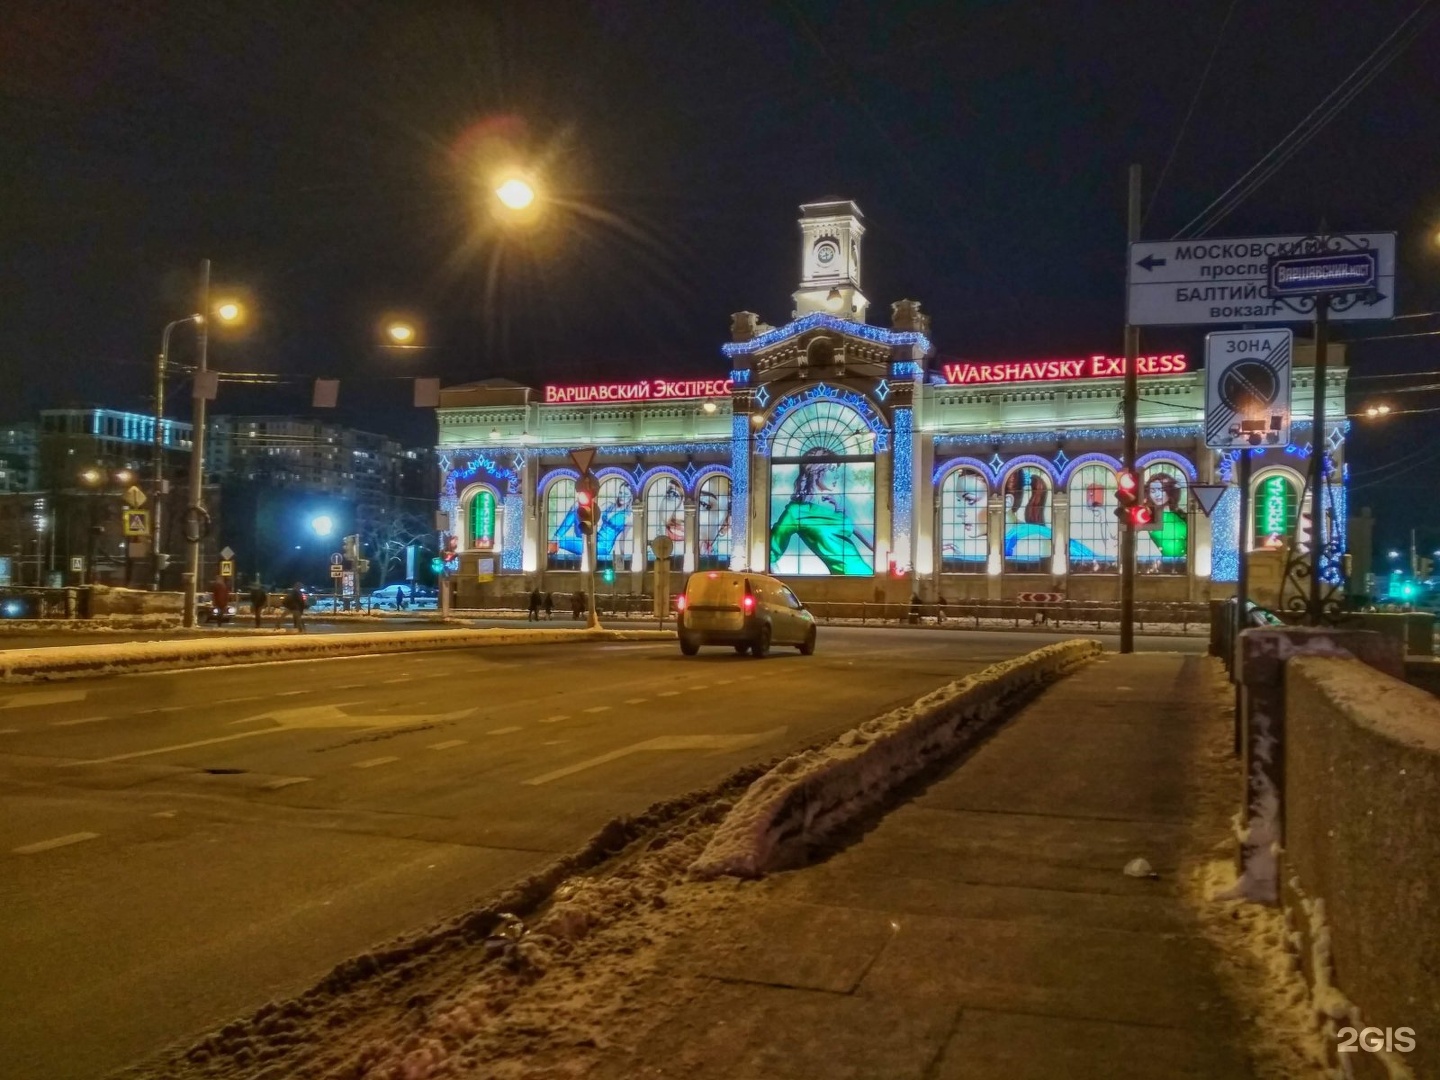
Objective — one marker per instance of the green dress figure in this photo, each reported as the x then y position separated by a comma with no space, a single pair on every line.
825,531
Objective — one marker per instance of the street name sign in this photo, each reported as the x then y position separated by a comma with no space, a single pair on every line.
1247,388
1214,282
1317,275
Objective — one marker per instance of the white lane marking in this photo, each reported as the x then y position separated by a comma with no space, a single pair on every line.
447,744
284,782
170,708
402,678
668,693
664,742
238,700
722,682
10,731
59,841
503,731
351,686
699,686
74,723
372,762
636,700
163,814
291,693
631,648
597,708
178,746
555,719
42,697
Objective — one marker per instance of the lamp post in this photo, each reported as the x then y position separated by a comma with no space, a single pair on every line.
162,369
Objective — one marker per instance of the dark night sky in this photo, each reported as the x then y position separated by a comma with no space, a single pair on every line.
323,155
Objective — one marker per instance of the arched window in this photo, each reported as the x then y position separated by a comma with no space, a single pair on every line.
480,520
1028,537
712,522
1094,528
665,516
1163,550
964,522
562,528
615,525
822,492
1277,511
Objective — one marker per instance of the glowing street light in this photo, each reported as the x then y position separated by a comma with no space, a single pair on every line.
1377,410
400,333
515,193
1393,555
323,524
228,311
710,407
91,476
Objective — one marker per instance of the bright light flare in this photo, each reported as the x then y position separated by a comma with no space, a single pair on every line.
1377,410
400,333
323,524
229,311
515,193
91,476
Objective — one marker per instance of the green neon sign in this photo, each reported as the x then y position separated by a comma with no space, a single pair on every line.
482,520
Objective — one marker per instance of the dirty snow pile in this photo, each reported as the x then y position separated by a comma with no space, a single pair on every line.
537,986
812,794
71,661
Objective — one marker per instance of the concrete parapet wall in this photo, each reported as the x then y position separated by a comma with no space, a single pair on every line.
1362,837
810,796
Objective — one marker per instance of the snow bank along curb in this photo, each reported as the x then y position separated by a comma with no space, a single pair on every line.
77,661
1361,855
813,793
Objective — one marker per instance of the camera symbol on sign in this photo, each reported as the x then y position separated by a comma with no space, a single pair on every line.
1248,388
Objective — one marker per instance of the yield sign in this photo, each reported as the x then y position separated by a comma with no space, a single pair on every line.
582,459
1207,495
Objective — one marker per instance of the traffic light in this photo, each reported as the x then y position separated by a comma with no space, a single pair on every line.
609,575
585,510
350,550
1131,511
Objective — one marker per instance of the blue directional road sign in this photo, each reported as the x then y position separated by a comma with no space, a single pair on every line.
1317,275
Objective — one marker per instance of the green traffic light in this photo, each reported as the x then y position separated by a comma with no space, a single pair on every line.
609,576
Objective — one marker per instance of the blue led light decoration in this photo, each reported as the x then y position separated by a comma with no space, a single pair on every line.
902,489
739,492
817,319
822,392
501,469
512,551
1015,438
905,369
1225,537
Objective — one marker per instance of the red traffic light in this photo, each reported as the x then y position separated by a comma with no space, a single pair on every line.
1128,485
584,499
1140,516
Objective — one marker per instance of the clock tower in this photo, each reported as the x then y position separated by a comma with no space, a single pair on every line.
830,235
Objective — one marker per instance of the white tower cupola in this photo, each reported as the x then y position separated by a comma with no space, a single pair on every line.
830,235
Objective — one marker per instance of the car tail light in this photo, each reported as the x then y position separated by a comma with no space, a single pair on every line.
747,603
680,602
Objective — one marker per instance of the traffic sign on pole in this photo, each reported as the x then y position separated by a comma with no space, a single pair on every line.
337,559
583,459
1208,496
1214,282
137,522
1247,388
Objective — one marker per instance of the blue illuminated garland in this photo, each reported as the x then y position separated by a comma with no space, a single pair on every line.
1225,537
740,491
512,551
1169,457
1073,466
821,392
740,377
903,489
904,369
1011,438
815,319
945,468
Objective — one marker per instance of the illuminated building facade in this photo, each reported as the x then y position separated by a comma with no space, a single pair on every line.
853,462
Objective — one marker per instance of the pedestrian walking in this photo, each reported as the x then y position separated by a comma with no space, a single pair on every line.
549,606
295,604
940,611
219,600
577,604
915,609
535,601
259,597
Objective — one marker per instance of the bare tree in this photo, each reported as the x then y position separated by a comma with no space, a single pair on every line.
388,538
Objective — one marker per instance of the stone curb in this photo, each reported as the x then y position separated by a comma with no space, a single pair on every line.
90,661
811,795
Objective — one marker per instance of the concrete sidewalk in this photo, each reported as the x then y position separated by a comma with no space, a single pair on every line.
982,929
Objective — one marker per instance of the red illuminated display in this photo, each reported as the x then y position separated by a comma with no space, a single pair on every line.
639,390
966,372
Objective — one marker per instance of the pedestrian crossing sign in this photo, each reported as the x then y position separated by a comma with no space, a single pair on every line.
137,522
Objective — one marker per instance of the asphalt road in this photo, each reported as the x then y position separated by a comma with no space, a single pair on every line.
176,849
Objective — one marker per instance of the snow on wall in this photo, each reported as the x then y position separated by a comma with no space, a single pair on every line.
79,661
810,795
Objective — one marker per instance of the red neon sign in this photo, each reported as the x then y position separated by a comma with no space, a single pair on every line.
1099,366
639,390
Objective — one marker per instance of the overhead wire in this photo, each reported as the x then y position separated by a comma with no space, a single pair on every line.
1189,112
1309,126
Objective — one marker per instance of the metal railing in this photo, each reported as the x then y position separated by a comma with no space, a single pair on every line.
979,614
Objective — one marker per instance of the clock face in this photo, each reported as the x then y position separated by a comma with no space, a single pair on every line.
825,254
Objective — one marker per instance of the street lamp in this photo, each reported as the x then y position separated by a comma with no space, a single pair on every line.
323,524
1377,410
1393,555
197,521
515,193
400,333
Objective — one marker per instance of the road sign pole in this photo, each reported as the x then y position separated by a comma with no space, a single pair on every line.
1317,461
1130,408
1242,586
593,619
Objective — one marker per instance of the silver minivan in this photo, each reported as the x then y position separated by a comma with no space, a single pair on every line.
750,612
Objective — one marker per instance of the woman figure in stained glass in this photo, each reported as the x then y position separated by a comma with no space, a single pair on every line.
816,514
1162,495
